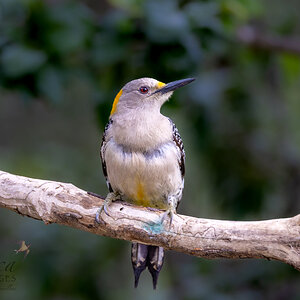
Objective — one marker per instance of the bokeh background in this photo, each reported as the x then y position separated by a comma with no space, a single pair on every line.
62,63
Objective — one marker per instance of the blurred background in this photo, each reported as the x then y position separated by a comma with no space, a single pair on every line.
61,65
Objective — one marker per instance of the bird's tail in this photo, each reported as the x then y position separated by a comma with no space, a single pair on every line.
143,256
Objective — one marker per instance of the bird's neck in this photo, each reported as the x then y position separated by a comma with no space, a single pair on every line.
141,130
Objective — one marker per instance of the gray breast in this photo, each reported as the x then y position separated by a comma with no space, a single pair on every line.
149,154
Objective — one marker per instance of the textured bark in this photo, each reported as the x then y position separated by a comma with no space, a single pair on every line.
63,203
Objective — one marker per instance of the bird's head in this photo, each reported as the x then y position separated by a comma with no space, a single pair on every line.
145,92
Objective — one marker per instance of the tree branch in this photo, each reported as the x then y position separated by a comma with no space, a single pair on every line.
63,203
253,37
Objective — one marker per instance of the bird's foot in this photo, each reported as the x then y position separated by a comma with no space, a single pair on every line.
168,213
113,196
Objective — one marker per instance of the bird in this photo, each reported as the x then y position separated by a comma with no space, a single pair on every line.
143,160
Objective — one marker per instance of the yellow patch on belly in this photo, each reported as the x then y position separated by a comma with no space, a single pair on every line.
140,196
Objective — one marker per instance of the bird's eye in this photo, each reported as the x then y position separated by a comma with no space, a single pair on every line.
143,90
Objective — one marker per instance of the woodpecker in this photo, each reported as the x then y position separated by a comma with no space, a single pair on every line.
143,159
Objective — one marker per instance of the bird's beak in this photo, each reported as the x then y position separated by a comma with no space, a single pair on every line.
172,86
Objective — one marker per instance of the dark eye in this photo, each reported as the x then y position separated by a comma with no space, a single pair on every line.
144,90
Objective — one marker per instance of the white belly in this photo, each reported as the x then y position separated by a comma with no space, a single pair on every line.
147,178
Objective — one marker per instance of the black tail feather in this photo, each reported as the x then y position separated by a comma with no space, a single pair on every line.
139,253
143,256
137,274
154,275
155,262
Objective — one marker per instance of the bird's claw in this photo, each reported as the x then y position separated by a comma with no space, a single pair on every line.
108,200
98,213
170,212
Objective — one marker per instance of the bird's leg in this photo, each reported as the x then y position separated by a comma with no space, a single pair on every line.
112,196
172,204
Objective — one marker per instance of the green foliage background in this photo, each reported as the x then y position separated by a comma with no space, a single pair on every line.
62,63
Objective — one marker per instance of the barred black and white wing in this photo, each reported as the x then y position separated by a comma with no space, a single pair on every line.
102,152
179,143
181,160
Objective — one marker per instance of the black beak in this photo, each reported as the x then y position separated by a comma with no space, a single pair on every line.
172,86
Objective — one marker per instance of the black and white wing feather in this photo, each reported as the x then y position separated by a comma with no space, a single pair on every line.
102,152
179,143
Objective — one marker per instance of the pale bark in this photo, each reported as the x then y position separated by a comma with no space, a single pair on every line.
63,203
